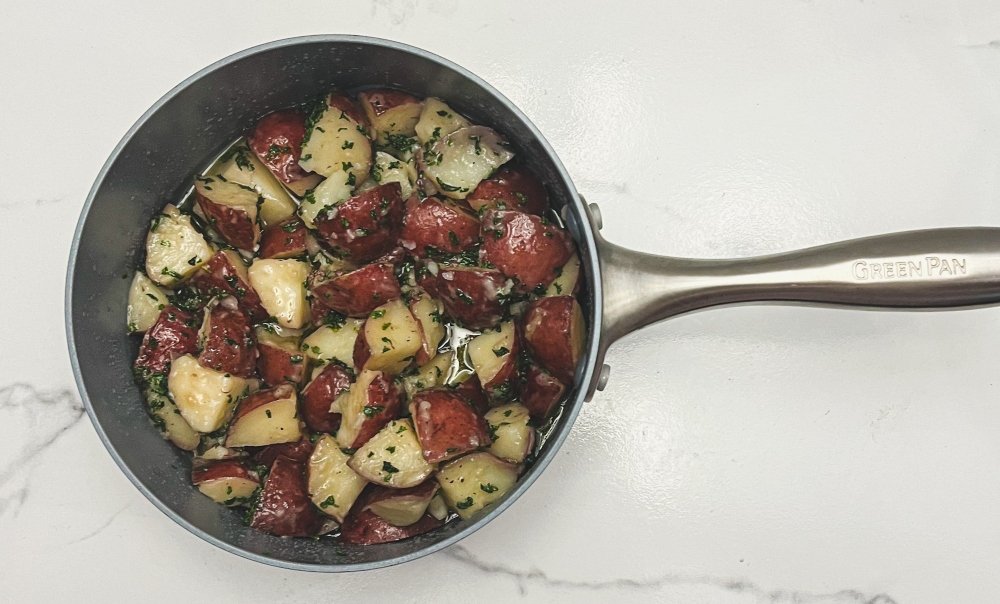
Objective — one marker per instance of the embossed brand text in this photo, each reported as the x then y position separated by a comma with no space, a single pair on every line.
929,266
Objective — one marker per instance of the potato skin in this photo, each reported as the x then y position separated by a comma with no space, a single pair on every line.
277,365
284,508
524,247
384,393
319,394
285,239
298,451
551,326
540,392
234,225
230,346
219,275
355,293
367,528
339,100
446,425
277,141
471,295
174,333
440,224
472,391
512,189
223,468
365,226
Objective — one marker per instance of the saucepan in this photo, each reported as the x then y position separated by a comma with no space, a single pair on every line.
623,291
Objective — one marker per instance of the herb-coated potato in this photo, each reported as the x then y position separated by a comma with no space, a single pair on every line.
338,141
389,340
390,112
472,482
281,287
174,333
145,301
510,189
239,165
401,507
279,358
471,295
428,313
230,209
225,273
512,437
387,169
228,481
567,280
297,451
554,332
229,343
277,142
168,420
437,120
319,395
174,248
456,163
446,425
285,239
285,508
266,417
333,485
367,528
205,397
356,293
333,342
365,226
392,457
494,357
438,224
369,404
523,247
541,392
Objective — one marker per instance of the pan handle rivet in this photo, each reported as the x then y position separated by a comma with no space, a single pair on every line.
602,379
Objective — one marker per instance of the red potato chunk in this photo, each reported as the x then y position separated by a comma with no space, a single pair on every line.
446,425
228,482
175,333
318,396
494,358
226,273
553,332
510,189
229,345
541,392
371,402
264,418
472,391
298,451
472,296
279,359
401,507
285,239
356,293
339,100
442,225
389,340
390,112
522,246
277,141
365,226
367,528
230,209
284,508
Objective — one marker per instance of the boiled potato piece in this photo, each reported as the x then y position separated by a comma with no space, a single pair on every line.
333,342
428,313
327,194
333,485
512,436
392,457
437,507
281,287
494,354
204,396
338,143
457,163
242,167
393,337
565,283
472,482
264,418
438,120
169,421
389,169
431,375
174,248
145,301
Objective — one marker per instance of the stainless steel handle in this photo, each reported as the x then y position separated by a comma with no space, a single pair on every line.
917,269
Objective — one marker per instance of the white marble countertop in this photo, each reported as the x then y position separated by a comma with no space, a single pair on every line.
743,455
